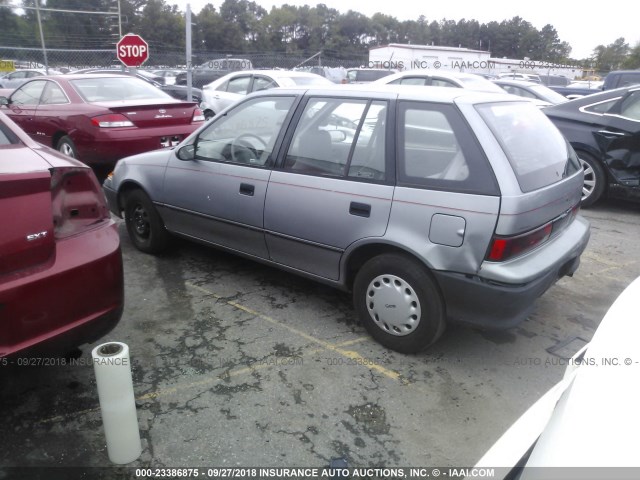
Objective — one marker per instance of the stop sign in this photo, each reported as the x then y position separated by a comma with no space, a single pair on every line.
132,50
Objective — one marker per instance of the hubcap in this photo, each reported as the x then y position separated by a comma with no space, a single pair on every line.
393,305
589,180
140,221
66,149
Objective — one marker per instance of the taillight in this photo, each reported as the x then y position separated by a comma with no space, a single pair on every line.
198,116
77,201
503,247
111,120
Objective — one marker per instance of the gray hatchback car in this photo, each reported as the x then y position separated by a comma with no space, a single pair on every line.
429,204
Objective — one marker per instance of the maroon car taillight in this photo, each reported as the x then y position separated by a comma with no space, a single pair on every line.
77,201
111,120
198,116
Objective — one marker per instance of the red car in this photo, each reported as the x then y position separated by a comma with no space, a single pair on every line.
61,277
100,119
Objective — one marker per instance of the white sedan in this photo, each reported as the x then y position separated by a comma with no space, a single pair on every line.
227,90
439,78
589,419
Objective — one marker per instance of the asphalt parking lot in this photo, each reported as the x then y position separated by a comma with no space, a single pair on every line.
238,364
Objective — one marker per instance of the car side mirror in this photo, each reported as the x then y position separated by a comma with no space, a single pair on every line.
4,101
186,153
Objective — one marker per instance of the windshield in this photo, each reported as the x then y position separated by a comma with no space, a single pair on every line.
537,151
109,89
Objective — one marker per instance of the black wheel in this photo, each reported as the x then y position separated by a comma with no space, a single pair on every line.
145,227
67,147
399,303
594,179
208,115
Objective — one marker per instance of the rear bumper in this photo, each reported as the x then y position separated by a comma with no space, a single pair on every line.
76,298
491,303
105,149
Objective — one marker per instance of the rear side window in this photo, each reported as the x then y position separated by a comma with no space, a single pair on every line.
537,151
338,138
7,137
438,150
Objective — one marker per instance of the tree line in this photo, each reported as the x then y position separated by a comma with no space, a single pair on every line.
243,26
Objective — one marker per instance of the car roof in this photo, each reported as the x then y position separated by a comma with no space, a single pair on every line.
525,83
403,92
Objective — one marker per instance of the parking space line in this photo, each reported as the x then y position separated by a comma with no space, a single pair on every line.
323,346
218,378
350,354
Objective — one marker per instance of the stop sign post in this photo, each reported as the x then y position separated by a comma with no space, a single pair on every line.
132,50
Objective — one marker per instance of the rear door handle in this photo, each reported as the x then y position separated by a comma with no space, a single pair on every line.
360,209
246,189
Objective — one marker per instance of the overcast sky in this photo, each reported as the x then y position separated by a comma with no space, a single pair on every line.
584,25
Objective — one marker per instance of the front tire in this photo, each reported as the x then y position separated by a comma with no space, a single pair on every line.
144,225
399,303
594,179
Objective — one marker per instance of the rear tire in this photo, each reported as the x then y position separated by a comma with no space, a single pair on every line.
67,147
594,179
144,225
399,303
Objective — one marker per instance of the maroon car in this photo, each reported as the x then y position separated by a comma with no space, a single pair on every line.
61,277
100,119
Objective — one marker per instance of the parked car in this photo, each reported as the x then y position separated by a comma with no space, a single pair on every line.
528,77
539,94
604,130
587,420
61,277
169,76
366,75
441,79
579,88
443,205
15,79
554,80
621,78
212,70
176,91
99,119
227,90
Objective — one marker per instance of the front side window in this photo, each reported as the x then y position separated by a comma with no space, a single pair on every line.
247,134
537,151
53,95
28,94
338,138
437,150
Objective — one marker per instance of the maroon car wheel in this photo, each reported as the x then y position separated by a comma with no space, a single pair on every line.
66,147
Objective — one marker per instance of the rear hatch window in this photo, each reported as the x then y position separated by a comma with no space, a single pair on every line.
538,153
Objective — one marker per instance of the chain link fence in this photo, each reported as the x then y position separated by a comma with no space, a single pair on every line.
69,60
